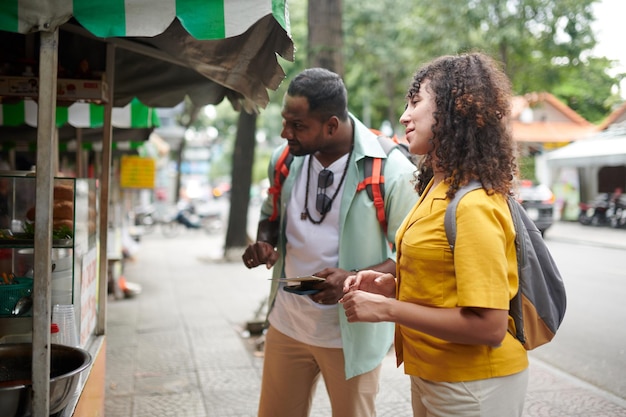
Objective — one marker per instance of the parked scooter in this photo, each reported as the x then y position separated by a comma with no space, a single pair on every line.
187,217
594,213
145,216
616,213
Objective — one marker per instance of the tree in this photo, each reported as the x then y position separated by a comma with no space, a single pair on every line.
325,35
241,178
382,52
544,45
376,46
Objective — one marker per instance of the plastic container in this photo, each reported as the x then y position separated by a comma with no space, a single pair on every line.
64,316
10,293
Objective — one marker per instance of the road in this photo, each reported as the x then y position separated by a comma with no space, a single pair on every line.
591,343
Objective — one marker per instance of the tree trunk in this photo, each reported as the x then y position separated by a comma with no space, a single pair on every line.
325,50
325,35
243,158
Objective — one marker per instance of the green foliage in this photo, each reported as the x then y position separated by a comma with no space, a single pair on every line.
527,167
259,169
58,233
593,98
270,124
221,163
544,45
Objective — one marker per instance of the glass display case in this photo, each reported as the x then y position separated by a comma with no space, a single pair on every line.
74,255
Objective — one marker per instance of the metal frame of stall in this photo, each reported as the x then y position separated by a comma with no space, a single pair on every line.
46,169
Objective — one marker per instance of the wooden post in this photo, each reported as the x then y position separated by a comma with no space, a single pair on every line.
46,134
105,181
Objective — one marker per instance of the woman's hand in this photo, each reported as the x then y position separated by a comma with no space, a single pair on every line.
371,281
361,306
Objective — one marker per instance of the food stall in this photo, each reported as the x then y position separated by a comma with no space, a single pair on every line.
90,51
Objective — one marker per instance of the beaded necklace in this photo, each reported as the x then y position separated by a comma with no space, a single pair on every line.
305,214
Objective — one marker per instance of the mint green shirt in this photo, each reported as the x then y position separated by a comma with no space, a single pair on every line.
362,242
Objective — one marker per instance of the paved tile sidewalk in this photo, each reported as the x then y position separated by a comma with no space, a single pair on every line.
178,349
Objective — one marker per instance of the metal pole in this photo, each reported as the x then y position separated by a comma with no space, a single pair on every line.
105,180
46,131
80,159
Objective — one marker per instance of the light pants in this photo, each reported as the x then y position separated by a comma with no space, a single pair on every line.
290,373
493,397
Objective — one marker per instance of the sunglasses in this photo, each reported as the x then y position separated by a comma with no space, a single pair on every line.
323,202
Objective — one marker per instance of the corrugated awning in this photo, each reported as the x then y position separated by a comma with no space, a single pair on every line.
540,132
604,149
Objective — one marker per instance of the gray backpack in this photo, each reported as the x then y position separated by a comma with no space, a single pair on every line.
539,305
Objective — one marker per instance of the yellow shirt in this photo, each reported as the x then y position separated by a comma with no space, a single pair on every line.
482,273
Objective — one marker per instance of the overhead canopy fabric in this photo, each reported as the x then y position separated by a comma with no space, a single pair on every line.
604,149
134,115
166,49
105,18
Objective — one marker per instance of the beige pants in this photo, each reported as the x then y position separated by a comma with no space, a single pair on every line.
290,373
493,397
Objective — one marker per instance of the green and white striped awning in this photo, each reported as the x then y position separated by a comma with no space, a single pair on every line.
134,115
206,50
203,19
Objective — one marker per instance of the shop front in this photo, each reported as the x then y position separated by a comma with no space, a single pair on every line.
84,51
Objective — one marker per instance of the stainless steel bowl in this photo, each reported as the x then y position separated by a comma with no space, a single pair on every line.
66,366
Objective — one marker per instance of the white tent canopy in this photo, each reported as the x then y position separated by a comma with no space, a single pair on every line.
604,149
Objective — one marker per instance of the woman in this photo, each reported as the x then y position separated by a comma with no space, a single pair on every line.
451,312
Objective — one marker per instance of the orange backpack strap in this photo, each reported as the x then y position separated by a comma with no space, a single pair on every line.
374,184
281,170
374,180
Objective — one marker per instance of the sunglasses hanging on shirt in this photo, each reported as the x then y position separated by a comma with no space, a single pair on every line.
323,202
325,179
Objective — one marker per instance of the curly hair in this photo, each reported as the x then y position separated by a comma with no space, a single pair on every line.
471,136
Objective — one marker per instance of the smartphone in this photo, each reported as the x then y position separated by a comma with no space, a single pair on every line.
304,288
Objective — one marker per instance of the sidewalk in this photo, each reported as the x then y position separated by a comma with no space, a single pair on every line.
180,348
591,235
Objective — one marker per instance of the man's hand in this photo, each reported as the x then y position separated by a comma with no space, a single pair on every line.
260,253
331,289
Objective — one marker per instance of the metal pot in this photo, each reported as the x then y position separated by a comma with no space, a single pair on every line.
66,366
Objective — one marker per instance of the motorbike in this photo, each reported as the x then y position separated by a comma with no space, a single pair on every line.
594,213
616,212
188,217
145,216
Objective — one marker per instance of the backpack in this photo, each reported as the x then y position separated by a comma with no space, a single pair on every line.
539,305
373,182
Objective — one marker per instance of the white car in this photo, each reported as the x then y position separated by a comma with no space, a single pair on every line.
538,201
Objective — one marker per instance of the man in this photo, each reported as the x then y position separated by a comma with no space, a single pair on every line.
326,228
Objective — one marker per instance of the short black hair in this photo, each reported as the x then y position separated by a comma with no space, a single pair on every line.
324,90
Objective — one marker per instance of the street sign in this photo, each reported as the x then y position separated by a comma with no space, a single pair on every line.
137,172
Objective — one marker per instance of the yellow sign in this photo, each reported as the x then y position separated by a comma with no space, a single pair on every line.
137,172
548,146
